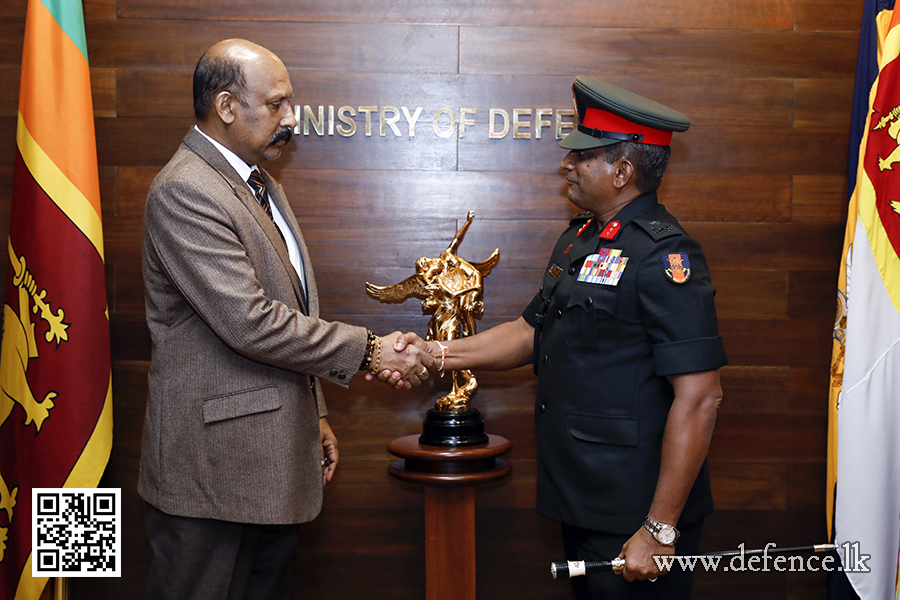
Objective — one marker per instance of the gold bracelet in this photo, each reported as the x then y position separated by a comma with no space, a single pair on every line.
374,370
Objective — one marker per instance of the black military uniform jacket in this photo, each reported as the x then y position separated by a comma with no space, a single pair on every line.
603,348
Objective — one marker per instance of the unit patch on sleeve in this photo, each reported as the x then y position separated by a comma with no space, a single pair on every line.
677,267
605,267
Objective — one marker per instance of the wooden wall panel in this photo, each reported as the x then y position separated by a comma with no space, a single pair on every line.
820,199
759,179
827,14
504,195
12,31
13,8
642,52
395,48
733,14
822,103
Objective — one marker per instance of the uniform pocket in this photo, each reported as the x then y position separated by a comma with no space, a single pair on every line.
617,431
591,324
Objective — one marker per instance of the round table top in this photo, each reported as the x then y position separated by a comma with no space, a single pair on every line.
409,447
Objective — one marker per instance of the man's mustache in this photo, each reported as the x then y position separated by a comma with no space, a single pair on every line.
284,134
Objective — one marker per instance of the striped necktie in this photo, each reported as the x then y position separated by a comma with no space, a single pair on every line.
259,189
262,196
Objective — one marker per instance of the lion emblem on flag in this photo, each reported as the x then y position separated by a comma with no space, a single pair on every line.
19,347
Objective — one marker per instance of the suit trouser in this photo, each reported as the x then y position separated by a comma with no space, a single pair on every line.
583,544
206,559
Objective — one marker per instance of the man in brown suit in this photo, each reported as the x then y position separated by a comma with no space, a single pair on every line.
236,445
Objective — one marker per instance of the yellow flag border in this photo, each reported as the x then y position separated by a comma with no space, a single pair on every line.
61,191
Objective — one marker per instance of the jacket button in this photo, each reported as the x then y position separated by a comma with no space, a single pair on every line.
543,408
342,375
333,372
588,300
559,313
546,359
571,270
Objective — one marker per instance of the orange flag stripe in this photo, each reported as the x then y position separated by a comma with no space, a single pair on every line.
56,75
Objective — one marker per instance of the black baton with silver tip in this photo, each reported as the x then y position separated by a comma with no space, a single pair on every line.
576,568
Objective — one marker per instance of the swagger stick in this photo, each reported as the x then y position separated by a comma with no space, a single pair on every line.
575,568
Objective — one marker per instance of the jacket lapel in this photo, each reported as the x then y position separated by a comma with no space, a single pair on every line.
205,150
277,195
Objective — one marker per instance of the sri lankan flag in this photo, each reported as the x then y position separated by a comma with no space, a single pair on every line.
56,399
863,495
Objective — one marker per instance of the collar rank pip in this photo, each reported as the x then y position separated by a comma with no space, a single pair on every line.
604,268
609,232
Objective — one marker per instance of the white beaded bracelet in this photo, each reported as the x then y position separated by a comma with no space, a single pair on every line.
443,357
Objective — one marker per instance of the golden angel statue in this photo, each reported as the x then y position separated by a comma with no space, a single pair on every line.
452,287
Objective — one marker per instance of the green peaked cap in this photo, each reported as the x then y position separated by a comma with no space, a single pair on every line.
608,114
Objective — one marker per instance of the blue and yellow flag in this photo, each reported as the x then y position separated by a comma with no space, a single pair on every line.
863,495
56,400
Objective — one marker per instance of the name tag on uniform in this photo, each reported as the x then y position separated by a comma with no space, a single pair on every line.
605,267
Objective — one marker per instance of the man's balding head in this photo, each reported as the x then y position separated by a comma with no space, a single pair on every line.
221,68
242,99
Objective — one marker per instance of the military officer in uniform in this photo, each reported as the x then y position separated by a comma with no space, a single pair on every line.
624,340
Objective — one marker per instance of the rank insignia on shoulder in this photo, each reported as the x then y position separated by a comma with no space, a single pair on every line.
605,267
677,267
554,271
657,229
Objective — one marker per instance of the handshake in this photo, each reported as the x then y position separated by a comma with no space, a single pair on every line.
405,360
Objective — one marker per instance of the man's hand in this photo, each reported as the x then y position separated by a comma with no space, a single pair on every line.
329,450
638,553
405,361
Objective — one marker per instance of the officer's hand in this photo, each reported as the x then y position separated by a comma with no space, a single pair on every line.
638,553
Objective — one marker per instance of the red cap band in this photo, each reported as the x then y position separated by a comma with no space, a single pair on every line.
606,121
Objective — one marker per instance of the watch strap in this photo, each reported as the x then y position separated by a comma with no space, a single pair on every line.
656,529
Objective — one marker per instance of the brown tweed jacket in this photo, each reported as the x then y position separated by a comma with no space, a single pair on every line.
231,429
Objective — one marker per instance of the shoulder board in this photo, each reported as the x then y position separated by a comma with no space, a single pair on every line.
581,218
657,229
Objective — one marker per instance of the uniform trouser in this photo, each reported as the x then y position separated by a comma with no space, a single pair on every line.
583,544
205,559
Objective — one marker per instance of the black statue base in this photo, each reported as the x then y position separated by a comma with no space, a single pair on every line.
453,429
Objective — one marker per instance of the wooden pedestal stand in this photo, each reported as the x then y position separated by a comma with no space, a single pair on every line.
449,475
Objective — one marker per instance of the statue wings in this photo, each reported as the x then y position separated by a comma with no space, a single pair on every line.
416,286
488,265
409,287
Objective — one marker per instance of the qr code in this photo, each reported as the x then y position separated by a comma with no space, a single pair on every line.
75,532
